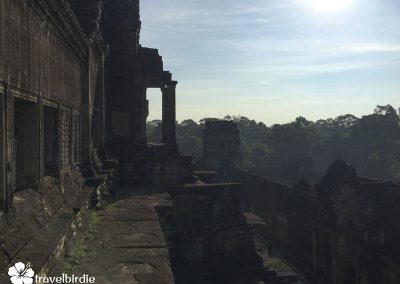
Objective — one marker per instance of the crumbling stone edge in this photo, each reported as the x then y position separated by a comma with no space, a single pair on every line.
55,239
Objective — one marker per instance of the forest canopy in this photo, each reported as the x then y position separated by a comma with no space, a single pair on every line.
370,143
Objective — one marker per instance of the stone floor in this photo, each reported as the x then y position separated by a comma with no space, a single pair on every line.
129,246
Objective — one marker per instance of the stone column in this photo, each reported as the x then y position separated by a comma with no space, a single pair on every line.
41,141
2,151
102,106
144,111
59,145
9,147
169,116
86,113
138,115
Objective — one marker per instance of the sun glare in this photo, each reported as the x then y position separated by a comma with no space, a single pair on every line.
330,5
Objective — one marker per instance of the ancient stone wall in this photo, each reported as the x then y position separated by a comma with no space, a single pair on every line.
65,138
265,198
42,52
51,89
210,240
341,231
124,80
2,150
38,57
75,138
221,144
130,70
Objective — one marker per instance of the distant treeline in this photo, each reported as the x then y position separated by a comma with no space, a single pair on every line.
370,143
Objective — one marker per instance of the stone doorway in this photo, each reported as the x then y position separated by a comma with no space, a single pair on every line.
25,144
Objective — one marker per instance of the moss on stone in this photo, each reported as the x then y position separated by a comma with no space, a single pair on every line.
82,247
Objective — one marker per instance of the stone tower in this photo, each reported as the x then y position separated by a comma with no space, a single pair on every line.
221,144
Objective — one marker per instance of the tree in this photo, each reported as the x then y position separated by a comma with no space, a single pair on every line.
375,143
346,121
190,145
153,131
370,143
204,120
189,127
387,111
301,122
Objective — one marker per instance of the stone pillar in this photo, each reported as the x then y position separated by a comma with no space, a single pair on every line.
41,141
135,107
2,151
9,151
144,111
86,113
221,146
169,116
59,145
101,106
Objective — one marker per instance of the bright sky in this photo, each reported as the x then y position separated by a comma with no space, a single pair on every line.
275,60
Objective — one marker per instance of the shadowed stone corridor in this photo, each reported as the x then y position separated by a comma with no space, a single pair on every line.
126,244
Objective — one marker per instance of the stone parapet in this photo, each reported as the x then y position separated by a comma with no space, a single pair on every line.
211,240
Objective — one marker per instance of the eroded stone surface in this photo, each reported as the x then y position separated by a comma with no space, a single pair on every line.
340,231
129,246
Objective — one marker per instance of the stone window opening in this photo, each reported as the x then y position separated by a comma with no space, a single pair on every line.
50,142
74,146
154,116
65,139
25,145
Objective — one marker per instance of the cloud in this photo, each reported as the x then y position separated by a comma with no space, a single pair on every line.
258,49
372,47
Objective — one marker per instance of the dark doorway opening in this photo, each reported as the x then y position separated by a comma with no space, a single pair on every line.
50,141
25,146
349,275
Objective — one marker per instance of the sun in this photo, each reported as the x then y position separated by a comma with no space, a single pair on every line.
330,5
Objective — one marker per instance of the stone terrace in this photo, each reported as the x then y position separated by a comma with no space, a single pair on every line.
128,245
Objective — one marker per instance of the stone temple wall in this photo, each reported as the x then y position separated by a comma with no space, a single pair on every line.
126,96
37,58
72,72
340,231
52,78
51,71
221,144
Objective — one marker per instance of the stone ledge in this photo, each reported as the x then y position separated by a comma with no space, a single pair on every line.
50,241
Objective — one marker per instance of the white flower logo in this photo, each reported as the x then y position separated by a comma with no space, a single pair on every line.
21,273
